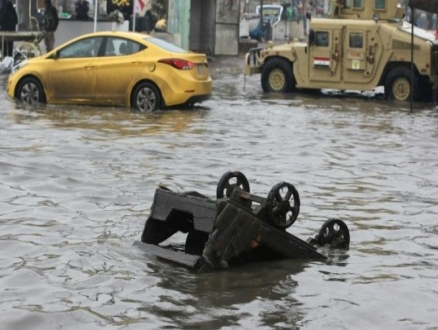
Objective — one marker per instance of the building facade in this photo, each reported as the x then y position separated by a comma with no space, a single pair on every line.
210,27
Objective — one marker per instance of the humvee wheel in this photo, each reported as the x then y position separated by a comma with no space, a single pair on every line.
334,232
277,76
229,181
283,205
398,85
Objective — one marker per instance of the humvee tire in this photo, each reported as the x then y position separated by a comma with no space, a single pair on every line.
398,84
277,77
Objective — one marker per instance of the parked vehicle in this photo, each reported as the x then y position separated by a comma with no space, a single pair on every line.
252,26
114,68
359,47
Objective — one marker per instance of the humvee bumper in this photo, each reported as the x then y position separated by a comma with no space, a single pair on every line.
253,62
237,228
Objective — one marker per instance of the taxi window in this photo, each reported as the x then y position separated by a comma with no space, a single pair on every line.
121,47
379,4
83,48
170,47
322,39
356,40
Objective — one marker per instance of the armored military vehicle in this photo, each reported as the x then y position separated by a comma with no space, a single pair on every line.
360,45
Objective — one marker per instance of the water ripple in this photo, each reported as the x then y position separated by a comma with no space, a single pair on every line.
76,185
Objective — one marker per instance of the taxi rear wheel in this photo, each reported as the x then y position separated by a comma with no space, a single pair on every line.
277,76
30,91
146,97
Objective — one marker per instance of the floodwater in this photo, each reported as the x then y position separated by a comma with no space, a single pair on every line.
76,186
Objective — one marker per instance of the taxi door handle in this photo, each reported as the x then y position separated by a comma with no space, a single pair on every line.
89,66
136,62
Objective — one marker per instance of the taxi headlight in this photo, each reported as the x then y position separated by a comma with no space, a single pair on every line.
18,66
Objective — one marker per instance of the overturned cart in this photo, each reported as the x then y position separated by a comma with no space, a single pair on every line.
236,228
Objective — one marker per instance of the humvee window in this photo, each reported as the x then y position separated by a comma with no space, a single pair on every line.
356,40
379,4
322,39
357,4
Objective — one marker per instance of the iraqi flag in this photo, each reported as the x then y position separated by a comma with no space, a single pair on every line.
138,6
321,62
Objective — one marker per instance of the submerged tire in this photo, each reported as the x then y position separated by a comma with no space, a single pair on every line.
277,76
30,91
398,85
146,97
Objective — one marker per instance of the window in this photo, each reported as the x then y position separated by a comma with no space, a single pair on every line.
83,48
121,47
322,39
356,40
166,45
357,4
379,4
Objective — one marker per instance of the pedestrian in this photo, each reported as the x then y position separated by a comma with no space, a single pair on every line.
81,8
305,8
423,22
50,25
8,22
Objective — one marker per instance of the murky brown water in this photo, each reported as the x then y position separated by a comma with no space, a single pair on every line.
76,185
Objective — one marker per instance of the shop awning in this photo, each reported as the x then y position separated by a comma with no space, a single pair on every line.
426,5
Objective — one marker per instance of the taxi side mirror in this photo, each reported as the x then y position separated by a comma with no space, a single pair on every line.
55,55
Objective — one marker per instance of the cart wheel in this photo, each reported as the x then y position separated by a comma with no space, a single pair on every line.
334,232
283,205
28,50
229,181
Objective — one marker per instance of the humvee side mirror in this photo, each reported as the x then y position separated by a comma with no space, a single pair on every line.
311,37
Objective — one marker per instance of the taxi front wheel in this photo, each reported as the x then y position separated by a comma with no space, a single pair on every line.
30,91
146,97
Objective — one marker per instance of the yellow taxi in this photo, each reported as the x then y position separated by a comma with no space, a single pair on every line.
113,68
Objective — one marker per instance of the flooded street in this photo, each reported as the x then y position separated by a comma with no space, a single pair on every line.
76,186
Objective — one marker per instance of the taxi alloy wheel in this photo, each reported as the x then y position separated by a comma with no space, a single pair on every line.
398,84
277,76
30,91
146,97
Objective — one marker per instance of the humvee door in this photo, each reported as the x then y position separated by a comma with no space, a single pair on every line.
325,55
362,50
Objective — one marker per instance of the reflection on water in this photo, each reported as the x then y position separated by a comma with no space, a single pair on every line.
76,184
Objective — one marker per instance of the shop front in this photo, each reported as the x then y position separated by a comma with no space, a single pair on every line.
103,15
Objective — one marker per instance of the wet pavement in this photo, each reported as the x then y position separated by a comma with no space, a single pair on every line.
76,184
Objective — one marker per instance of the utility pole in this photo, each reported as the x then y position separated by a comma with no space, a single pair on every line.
261,20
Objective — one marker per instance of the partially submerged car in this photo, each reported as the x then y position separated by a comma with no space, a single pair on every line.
237,228
114,68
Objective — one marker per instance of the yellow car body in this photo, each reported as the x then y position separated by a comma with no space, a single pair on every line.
113,68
